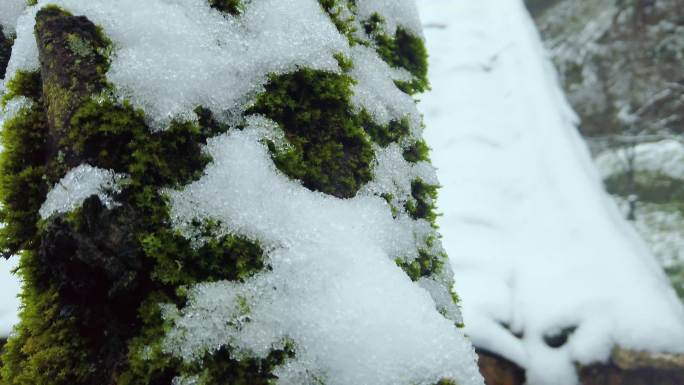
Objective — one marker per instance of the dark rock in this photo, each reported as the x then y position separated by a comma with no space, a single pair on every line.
497,370
624,368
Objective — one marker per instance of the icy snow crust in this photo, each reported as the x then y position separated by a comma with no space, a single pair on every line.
334,289
534,241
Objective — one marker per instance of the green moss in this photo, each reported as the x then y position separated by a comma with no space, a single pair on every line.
384,135
46,348
343,20
219,258
423,205
147,364
222,368
403,50
114,136
233,7
417,152
79,46
426,265
24,83
330,151
22,167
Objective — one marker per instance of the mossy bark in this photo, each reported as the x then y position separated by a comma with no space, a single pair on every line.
95,278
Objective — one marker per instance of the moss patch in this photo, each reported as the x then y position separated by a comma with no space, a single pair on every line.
219,258
341,15
426,265
233,7
22,166
423,205
330,151
403,50
47,349
417,152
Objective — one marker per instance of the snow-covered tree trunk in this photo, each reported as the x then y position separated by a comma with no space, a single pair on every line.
223,192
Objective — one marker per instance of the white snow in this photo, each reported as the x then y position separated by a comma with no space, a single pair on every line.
397,13
197,56
534,241
79,184
393,174
334,288
9,302
9,12
376,92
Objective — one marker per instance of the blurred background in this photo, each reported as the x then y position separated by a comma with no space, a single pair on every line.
621,64
556,128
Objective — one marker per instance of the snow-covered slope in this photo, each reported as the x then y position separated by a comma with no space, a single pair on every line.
9,303
538,249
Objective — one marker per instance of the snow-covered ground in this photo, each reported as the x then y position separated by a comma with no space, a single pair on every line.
538,249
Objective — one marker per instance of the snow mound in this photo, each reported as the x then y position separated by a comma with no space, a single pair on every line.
334,288
540,252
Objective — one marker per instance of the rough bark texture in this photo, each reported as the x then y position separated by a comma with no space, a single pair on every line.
624,368
72,66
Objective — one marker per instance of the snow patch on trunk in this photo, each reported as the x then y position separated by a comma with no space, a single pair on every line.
334,289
